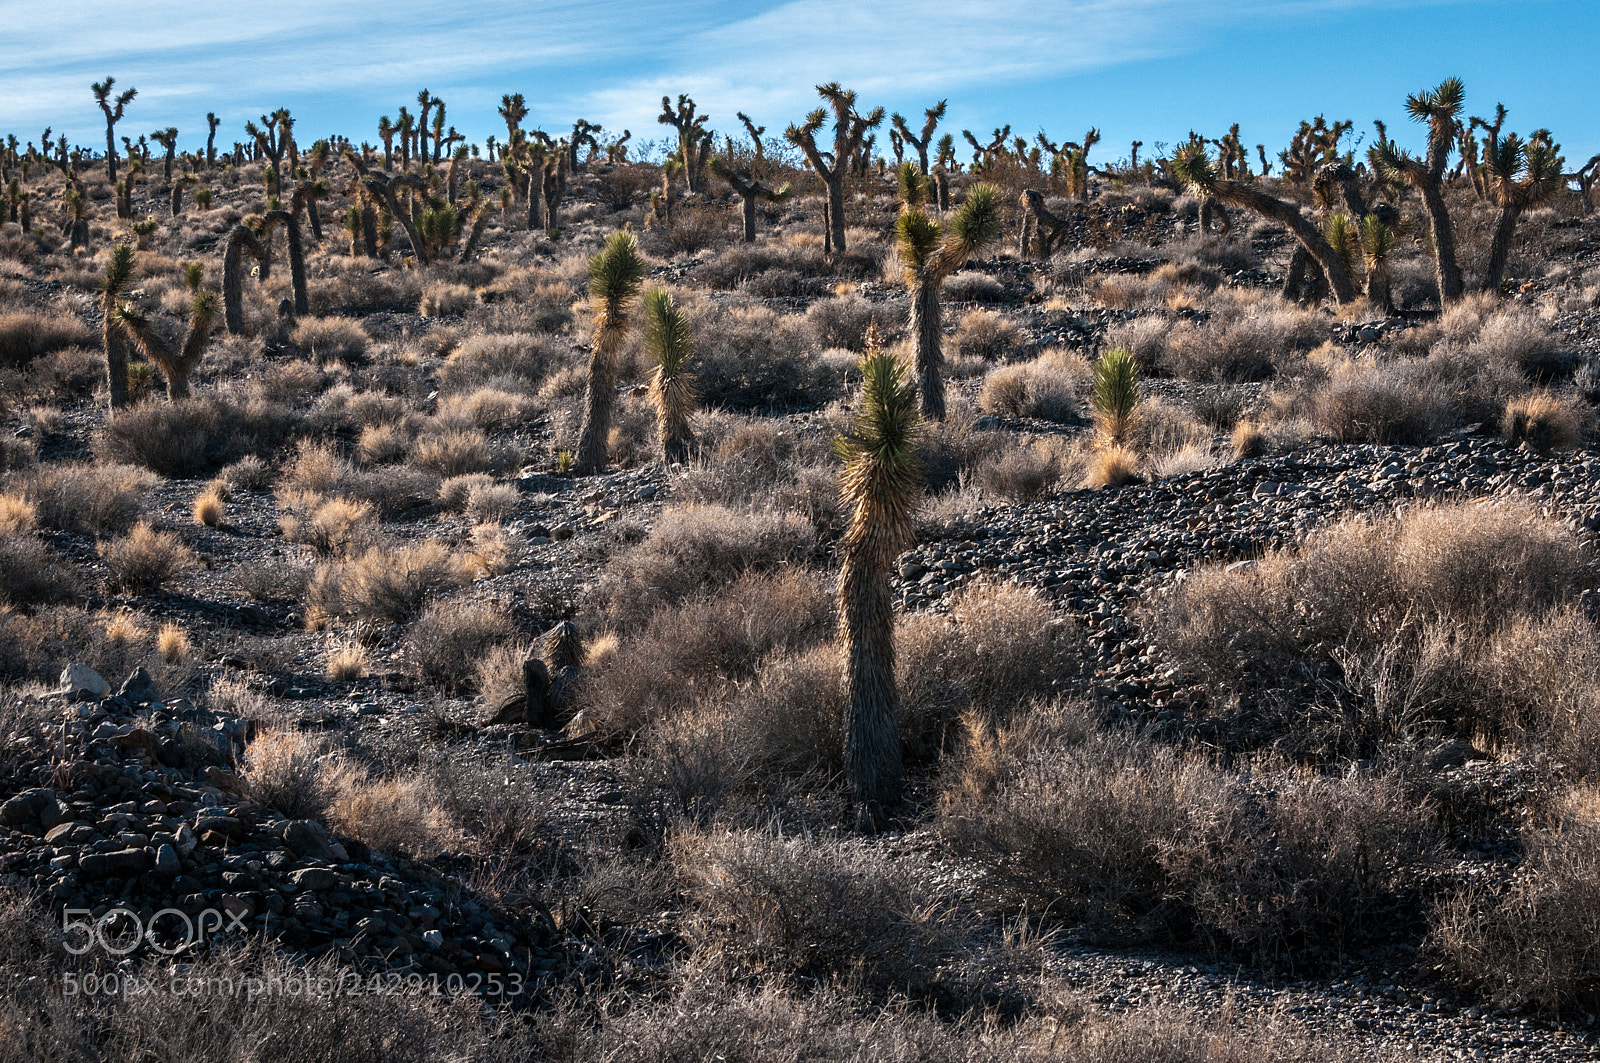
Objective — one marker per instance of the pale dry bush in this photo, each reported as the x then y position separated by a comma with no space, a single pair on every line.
291,771
1021,472
385,444
1544,422
1364,402
330,526
841,322
751,357
330,339
969,286
690,650
497,675
347,662
452,452
172,642
1145,338
446,300
1051,387
25,336
1533,945
491,503
517,361
454,492
383,584
400,816
1189,458
452,635
32,574
984,334
146,560
1241,346
1112,466
484,408
999,648
84,498
692,549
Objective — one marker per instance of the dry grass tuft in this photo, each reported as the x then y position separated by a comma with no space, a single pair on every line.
209,504
172,642
1543,422
1113,466
146,560
383,584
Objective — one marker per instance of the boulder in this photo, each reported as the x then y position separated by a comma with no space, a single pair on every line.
80,679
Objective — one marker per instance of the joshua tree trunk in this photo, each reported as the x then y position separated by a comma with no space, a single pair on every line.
535,195
297,258
240,242
384,192
925,324
835,186
749,198
1288,215
600,391
1446,269
614,277
1500,249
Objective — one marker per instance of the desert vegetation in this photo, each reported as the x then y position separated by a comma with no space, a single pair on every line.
793,596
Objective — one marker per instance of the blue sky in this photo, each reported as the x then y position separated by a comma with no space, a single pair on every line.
1137,69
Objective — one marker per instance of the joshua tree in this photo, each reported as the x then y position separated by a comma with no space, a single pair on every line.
1378,231
119,271
1315,145
212,122
1039,226
617,150
1439,108
1193,167
755,132
931,253
513,110
381,190
583,132
168,139
615,274
985,156
693,137
241,241
425,103
113,112
1520,175
75,204
386,132
554,173
404,128
848,130
672,385
175,196
1116,393
880,484
175,363
930,123
745,182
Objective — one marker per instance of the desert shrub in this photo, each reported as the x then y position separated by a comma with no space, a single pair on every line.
734,265
984,334
453,452
1112,466
693,549
1230,349
330,339
969,286
748,462
1019,473
319,469
1051,387
249,473
1413,618
26,336
195,437
399,816
841,321
998,648
1146,339
491,503
484,408
446,300
83,498
497,675
780,284
1361,401
384,444
382,584
750,357
452,635
31,573
146,560
1542,421
798,907
1147,842
526,300
517,361
689,652
327,525
354,286
1248,440
1533,945
290,771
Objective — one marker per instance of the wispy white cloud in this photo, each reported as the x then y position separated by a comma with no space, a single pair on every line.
610,60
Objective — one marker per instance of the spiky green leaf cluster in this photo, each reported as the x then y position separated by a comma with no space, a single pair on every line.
1344,237
916,237
914,186
1116,384
1441,103
886,428
119,271
666,332
1377,239
976,223
194,275
617,270
1190,165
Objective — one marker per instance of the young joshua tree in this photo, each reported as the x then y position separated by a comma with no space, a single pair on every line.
168,139
931,253
747,185
241,241
693,137
583,132
176,364
930,123
672,385
615,274
1519,176
274,219
1040,227
113,113
1191,166
119,271
425,102
513,109
848,129
1440,109
386,131
212,123
881,483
